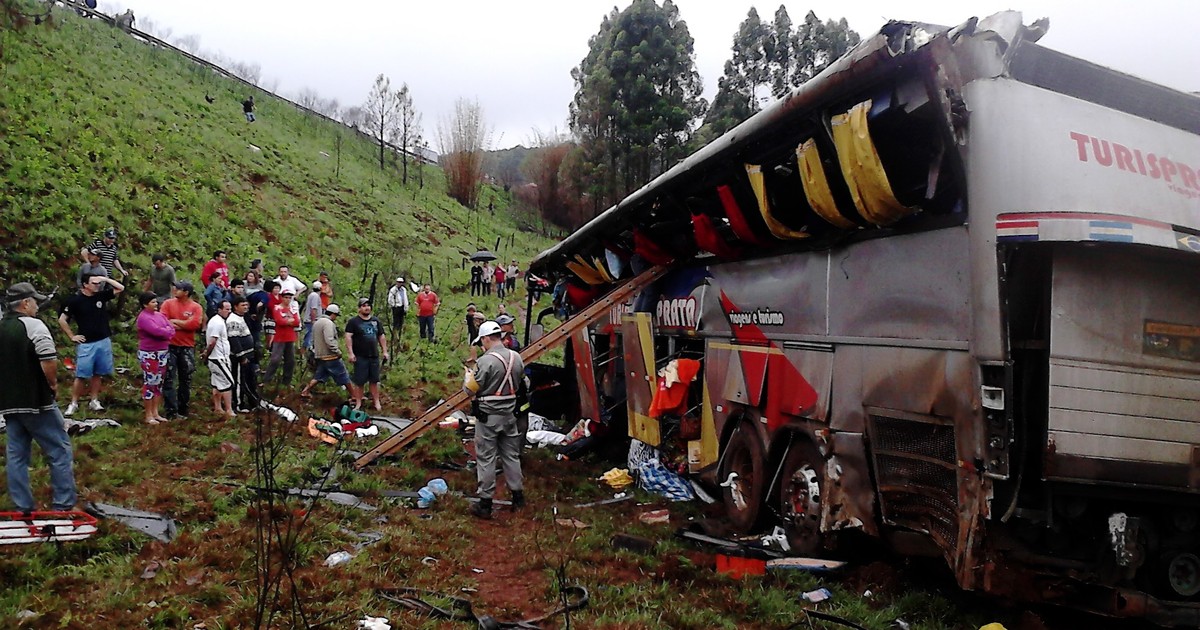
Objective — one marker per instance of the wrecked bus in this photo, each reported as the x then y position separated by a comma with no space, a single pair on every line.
945,294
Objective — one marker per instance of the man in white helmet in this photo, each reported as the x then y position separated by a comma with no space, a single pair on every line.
497,376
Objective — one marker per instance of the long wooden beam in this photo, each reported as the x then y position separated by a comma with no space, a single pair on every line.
586,317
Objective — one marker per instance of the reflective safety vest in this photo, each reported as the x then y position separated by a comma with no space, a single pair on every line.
508,386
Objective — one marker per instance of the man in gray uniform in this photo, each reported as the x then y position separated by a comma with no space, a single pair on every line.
497,376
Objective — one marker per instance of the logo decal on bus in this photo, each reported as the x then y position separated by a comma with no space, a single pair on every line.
1179,177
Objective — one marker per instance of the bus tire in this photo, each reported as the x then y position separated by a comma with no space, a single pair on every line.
743,478
799,497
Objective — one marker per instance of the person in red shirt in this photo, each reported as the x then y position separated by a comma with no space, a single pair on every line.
283,345
187,316
498,274
216,265
427,308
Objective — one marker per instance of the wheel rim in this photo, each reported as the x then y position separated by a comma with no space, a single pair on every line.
1183,574
802,502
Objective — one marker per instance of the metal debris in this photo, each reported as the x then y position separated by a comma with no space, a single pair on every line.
156,526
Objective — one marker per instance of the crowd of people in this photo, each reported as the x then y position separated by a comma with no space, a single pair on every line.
250,330
245,319
485,275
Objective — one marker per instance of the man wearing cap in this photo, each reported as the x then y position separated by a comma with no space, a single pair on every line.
216,265
310,313
510,340
364,339
187,316
28,369
91,266
283,344
328,354
216,354
106,247
93,356
397,299
494,383
161,278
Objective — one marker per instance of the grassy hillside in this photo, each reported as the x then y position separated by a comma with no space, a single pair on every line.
98,129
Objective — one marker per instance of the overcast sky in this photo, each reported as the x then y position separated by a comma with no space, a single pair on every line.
515,57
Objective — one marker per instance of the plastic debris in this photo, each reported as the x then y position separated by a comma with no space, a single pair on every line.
809,565
79,427
374,623
282,412
150,571
544,438
739,567
617,478
539,423
338,558
366,432
328,432
477,570
572,522
818,595
340,498
903,625
617,498
777,539
655,517
432,490
156,526
38,527
429,561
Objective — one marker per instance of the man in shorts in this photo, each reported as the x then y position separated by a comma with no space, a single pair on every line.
93,355
216,353
365,340
327,353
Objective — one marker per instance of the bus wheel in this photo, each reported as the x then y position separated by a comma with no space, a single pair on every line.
1182,571
800,497
742,478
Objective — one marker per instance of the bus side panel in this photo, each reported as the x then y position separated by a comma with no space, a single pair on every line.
1124,367
909,287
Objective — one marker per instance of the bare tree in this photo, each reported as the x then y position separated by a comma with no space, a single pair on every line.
188,43
249,71
328,106
382,113
353,116
308,97
410,129
462,139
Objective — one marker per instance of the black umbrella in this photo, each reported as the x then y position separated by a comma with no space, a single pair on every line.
482,255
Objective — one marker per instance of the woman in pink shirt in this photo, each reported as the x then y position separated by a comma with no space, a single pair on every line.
154,332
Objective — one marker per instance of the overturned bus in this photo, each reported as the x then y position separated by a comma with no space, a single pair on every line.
945,294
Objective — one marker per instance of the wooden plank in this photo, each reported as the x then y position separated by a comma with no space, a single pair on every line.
1129,449
460,400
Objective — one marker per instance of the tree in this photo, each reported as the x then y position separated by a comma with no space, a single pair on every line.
381,114
462,139
308,98
542,166
637,97
777,56
409,128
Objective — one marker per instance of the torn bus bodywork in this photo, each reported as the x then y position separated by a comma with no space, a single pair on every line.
943,294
